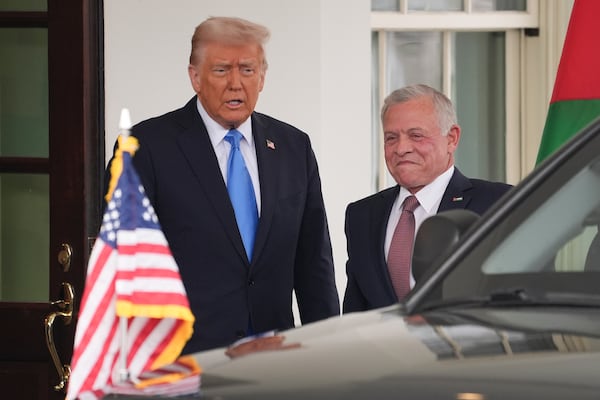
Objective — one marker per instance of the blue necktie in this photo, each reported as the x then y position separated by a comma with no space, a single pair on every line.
241,192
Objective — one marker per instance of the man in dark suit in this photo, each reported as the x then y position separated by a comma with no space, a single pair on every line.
421,135
183,162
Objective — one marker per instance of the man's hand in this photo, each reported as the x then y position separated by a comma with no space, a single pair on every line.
267,343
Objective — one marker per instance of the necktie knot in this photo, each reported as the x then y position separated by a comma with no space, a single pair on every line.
234,137
410,204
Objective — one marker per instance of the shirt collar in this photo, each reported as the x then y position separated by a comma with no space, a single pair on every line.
430,195
217,133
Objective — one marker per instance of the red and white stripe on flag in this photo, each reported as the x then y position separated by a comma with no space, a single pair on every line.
133,275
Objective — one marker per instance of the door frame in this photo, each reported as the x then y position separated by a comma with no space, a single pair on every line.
76,127
75,166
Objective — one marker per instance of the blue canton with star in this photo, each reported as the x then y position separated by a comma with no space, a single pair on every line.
129,208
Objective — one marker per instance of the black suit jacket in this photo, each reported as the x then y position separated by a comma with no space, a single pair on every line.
369,285
179,170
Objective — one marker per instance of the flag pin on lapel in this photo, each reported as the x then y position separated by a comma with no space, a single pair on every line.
270,144
457,198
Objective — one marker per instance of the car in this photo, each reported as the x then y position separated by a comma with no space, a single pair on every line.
506,306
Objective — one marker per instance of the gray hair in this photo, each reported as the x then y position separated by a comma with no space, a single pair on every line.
442,104
229,31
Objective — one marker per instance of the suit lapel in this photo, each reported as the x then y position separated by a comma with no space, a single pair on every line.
456,195
380,213
197,149
268,159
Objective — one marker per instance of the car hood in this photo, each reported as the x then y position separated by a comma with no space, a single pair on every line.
455,354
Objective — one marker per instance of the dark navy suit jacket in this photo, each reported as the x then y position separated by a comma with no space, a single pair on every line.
369,285
179,170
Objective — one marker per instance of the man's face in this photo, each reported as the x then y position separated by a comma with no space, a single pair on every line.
416,152
228,79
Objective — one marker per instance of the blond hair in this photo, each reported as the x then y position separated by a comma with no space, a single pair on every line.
229,31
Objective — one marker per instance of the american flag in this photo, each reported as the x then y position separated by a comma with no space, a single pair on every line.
132,282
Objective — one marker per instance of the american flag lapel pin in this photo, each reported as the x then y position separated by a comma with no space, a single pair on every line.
270,144
457,198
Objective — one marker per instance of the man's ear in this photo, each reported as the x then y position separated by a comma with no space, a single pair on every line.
194,77
262,80
453,137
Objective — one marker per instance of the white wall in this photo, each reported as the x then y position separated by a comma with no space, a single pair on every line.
318,79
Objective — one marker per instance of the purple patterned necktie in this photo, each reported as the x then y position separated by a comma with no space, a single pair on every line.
400,253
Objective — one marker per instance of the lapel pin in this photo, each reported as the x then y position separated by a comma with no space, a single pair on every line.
270,144
457,198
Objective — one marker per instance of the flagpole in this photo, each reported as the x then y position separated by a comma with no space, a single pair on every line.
114,301
124,128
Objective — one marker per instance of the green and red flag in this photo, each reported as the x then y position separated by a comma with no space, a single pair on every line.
576,97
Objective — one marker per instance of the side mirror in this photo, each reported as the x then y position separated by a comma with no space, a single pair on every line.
436,237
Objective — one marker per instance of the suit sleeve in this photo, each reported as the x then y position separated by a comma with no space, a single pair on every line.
142,161
314,275
353,298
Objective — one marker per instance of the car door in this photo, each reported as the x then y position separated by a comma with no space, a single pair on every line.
51,157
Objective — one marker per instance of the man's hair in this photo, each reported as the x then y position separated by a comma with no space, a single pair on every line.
442,105
228,31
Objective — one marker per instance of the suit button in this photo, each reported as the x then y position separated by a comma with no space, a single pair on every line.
251,282
240,334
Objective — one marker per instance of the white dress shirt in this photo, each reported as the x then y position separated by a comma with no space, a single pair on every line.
430,197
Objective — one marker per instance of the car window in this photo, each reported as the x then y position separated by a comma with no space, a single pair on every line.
546,244
557,235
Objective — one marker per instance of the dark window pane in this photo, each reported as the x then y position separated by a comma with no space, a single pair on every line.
23,92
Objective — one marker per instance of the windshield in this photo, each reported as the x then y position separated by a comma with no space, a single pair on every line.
545,249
